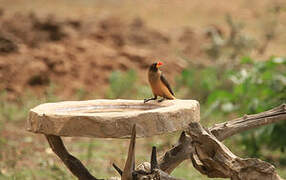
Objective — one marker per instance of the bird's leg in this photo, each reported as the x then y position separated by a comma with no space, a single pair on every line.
161,100
153,98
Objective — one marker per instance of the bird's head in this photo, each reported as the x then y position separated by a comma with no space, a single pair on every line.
154,67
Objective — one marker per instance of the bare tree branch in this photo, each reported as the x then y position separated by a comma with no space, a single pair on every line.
175,156
130,162
224,130
150,171
216,161
154,163
117,169
72,163
180,152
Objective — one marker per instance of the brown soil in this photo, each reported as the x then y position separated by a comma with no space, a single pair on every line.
79,45
76,54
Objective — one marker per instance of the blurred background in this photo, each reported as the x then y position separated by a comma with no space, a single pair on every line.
229,55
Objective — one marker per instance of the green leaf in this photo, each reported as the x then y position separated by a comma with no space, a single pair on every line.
246,60
221,95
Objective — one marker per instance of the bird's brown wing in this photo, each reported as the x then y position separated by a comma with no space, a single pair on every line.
165,82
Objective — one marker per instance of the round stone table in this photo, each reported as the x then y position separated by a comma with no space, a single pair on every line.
109,119
112,118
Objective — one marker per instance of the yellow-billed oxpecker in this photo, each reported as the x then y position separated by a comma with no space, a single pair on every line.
159,84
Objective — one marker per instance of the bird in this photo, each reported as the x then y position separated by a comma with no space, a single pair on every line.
158,83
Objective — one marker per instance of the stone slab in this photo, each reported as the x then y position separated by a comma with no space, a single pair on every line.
112,118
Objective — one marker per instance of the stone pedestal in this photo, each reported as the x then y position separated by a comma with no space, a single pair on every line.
112,118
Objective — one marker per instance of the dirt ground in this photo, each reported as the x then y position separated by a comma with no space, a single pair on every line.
76,53
77,44
73,53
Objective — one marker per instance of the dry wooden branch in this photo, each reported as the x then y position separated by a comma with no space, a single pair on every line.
130,162
157,174
177,154
72,163
216,160
180,152
153,173
224,130
150,171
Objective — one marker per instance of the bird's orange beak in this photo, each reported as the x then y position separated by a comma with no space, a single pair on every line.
159,64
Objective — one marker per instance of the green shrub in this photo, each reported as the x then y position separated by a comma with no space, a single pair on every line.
251,87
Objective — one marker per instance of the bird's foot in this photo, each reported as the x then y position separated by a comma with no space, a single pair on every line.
146,100
161,100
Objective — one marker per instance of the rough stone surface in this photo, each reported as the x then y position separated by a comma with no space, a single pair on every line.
112,118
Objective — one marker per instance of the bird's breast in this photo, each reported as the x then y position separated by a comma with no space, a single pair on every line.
158,87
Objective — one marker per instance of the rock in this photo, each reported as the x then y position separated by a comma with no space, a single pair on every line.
112,118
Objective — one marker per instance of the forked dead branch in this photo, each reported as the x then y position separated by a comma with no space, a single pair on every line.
203,146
